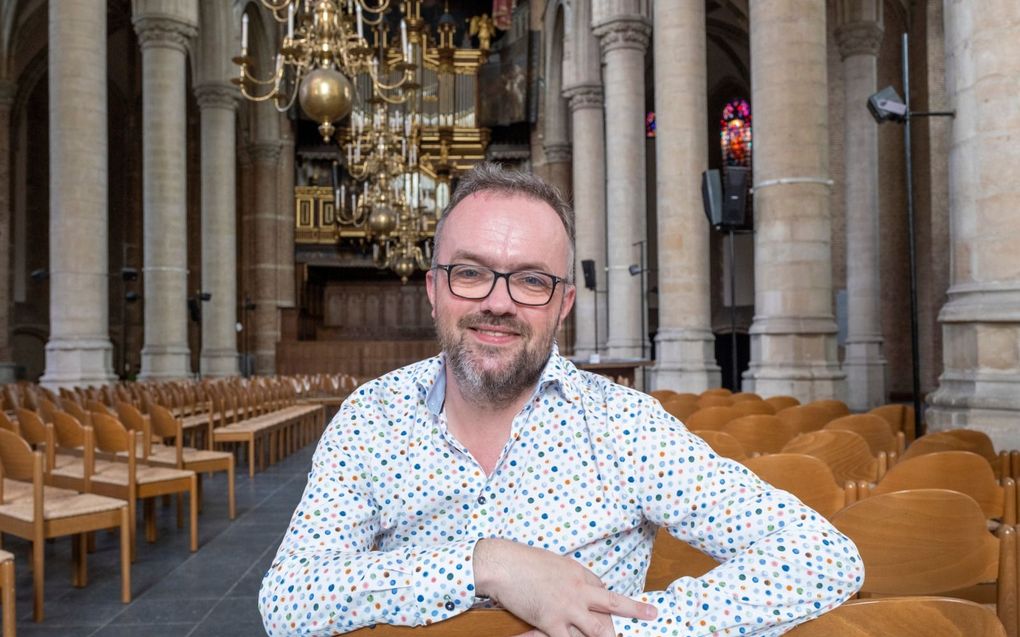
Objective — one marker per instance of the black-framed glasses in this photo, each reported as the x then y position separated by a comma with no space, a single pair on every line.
475,282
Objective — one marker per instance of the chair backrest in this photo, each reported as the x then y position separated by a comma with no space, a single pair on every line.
662,395
680,408
33,429
846,453
961,471
806,477
672,559
835,408
714,400
804,418
97,406
70,431
921,616
111,435
875,431
716,391
164,424
10,398
899,416
47,409
711,418
744,396
760,433
723,444
752,407
130,416
955,440
930,542
72,407
780,403
7,424
16,457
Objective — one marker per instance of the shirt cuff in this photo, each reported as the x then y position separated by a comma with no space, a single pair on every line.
445,580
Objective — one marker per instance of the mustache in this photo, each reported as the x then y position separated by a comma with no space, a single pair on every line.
489,319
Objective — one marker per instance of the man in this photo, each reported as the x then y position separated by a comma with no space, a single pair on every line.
497,472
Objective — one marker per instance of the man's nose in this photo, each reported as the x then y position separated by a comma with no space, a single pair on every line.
499,302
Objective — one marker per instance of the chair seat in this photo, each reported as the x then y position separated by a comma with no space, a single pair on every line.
117,473
164,454
16,489
63,506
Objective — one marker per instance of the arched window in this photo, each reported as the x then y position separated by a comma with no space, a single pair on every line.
735,134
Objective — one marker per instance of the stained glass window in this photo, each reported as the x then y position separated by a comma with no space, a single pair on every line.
735,134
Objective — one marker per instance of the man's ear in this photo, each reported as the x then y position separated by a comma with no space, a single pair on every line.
430,289
569,293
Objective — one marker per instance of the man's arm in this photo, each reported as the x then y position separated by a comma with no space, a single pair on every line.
782,563
326,579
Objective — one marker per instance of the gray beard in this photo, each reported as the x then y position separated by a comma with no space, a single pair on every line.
499,388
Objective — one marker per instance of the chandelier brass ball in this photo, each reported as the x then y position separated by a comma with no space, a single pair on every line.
404,267
382,221
326,95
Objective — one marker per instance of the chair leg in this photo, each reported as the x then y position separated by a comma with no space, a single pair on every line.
231,502
149,507
38,578
9,605
194,513
251,457
79,559
125,556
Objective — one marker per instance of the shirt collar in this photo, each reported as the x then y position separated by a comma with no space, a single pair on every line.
559,372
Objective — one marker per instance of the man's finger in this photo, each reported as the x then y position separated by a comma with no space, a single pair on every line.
622,606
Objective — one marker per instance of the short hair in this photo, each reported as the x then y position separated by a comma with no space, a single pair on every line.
495,178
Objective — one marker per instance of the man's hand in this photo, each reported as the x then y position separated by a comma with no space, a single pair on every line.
553,593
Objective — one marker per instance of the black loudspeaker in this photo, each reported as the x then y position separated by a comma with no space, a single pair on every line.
738,181
711,196
588,269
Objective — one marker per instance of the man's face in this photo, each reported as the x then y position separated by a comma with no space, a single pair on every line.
496,348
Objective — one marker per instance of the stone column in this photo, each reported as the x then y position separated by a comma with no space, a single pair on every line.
980,383
79,350
164,39
685,350
218,103
558,166
7,92
589,178
285,212
624,39
265,157
859,36
793,337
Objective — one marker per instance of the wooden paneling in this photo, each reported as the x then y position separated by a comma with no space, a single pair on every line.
363,358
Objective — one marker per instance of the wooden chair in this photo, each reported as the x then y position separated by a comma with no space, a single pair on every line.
835,408
932,542
904,617
167,428
964,440
39,512
662,395
806,477
133,481
753,407
723,444
714,400
804,418
760,433
745,396
900,417
961,471
780,403
7,424
672,559
875,431
10,612
680,408
711,418
716,391
846,453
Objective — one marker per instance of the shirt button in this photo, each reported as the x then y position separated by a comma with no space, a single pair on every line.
450,606
481,499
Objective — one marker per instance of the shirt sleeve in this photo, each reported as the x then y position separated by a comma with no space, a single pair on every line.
781,562
326,577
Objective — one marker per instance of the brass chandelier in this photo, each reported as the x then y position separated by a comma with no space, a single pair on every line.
324,46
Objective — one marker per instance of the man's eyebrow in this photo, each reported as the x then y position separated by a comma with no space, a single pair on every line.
460,256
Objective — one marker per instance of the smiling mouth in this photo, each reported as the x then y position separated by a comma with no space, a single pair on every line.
493,333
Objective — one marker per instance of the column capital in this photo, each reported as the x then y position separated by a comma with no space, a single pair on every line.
264,152
584,96
624,32
222,95
557,152
862,37
163,32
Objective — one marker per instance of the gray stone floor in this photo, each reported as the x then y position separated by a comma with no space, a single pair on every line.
174,592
